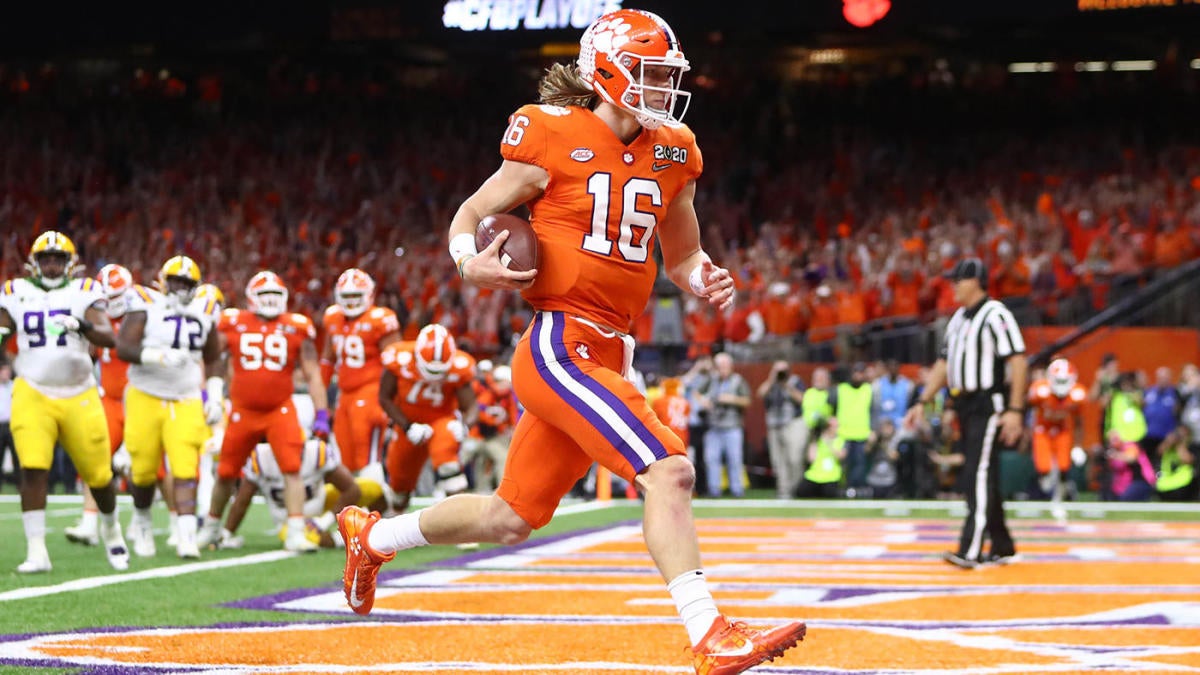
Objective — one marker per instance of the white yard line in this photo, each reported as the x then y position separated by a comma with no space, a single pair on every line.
89,583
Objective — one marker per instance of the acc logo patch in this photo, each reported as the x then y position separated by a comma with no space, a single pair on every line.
582,154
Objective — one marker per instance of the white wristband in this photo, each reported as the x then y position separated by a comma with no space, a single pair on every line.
215,388
462,245
696,280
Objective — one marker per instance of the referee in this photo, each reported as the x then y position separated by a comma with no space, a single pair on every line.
982,340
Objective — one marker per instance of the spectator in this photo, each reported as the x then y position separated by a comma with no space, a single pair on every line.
1125,409
815,406
1104,384
851,403
1177,475
882,455
1131,477
891,396
725,398
1160,405
783,396
826,452
695,382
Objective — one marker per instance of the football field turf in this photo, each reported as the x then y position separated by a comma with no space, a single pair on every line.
1113,590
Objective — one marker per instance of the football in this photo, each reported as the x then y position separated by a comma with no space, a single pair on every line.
520,252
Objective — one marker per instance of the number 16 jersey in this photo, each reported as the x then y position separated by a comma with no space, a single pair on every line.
264,353
171,326
597,218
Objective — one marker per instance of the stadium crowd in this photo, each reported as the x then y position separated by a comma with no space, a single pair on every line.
839,205
830,218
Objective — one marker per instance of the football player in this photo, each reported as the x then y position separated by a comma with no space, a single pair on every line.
607,170
329,487
1057,403
266,344
356,334
489,438
114,280
56,319
169,337
426,391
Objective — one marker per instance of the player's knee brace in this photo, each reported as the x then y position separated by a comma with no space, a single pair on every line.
450,478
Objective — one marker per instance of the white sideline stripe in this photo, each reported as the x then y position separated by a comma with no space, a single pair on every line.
88,583
50,513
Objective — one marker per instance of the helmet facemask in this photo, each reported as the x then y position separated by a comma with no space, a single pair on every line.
434,352
634,67
179,289
37,262
270,303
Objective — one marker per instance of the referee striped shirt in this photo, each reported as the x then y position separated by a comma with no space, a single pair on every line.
978,341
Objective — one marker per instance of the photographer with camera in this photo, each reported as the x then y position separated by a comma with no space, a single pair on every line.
787,434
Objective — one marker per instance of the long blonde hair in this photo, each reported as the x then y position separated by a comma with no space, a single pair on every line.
562,85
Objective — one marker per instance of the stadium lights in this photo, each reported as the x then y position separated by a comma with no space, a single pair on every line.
1091,66
1195,64
1033,67
827,56
1134,65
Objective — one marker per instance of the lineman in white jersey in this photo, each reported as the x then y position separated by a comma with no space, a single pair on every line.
166,334
329,487
55,400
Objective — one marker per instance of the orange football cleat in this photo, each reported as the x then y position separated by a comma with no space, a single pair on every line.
362,561
730,648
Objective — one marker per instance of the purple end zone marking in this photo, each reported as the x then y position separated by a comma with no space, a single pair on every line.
269,602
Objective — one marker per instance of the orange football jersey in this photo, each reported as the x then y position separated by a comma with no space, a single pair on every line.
497,413
264,353
673,411
356,343
422,401
1052,412
596,220
114,373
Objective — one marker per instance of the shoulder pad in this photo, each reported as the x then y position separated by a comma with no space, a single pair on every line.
1078,394
378,312
7,288
332,311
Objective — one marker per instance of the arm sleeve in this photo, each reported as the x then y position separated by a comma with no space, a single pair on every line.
525,138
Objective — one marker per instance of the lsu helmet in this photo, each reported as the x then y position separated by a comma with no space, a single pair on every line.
1062,376
115,280
208,292
267,295
180,268
354,292
434,352
614,53
52,243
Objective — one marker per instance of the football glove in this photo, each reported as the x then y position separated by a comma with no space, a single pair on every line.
457,429
169,358
320,427
418,433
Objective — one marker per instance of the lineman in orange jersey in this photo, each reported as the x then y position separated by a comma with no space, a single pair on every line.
266,344
357,332
606,169
426,391
1058,427
114,280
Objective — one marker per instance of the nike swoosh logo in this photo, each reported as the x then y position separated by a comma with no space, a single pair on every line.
740,651
659,167
355,601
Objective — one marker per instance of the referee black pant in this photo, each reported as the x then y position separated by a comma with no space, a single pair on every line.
979,421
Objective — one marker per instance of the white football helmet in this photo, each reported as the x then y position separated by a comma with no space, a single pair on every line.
115,280
266,295
354,292
434,352
614,53
1062,376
